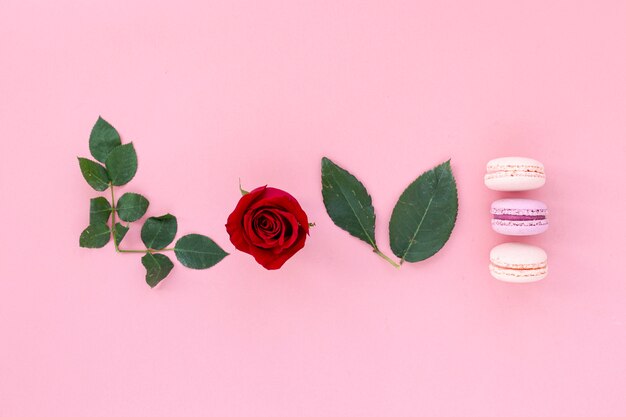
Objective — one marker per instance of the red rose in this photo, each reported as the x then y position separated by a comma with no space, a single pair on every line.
269,224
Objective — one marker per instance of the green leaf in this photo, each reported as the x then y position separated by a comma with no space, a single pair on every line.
198,251
95,236
347,202
103,139
131,207
158,232
122,164
99,210
120,232
158,266
94,174
424,216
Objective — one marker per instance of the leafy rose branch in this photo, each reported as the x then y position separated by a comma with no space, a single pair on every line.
120,166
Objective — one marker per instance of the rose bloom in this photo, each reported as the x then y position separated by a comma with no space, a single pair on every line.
269,224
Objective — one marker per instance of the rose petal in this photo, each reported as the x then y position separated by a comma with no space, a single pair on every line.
290,231
285,201
274,261
234,223
271,238
252,236
266,222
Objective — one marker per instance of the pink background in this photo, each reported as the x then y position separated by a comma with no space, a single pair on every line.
213,91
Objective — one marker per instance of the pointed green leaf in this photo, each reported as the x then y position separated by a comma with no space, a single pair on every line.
120,232
198,251
99,210
94,174
158,232
95,236
158,266
347,202
122,164
103,139
424,216
131,207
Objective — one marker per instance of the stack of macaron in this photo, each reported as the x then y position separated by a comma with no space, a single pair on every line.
515,261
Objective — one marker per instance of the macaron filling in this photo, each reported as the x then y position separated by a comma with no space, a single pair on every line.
493,169
501,171
518,217
508,213
518,274
542,265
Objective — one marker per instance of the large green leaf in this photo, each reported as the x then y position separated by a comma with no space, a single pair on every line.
158,232
103,139
198,251
158,266
122,164
347,202
94,173
424,216
131,207
120,232
95,236
99,210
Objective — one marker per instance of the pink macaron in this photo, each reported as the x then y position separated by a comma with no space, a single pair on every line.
519,217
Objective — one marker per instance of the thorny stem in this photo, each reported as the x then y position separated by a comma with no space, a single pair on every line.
117,248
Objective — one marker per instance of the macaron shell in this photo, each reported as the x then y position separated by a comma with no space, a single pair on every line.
518,262
518,277
513,205
519,228
509,163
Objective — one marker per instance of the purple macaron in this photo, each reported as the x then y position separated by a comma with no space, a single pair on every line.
519,217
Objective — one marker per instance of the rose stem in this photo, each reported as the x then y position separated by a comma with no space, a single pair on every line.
386,258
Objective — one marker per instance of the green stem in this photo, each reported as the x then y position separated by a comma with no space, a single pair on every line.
143,250
386,258
113,210
131,250
117,248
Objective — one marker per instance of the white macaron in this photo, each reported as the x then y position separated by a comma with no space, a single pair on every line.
518,262
514,173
